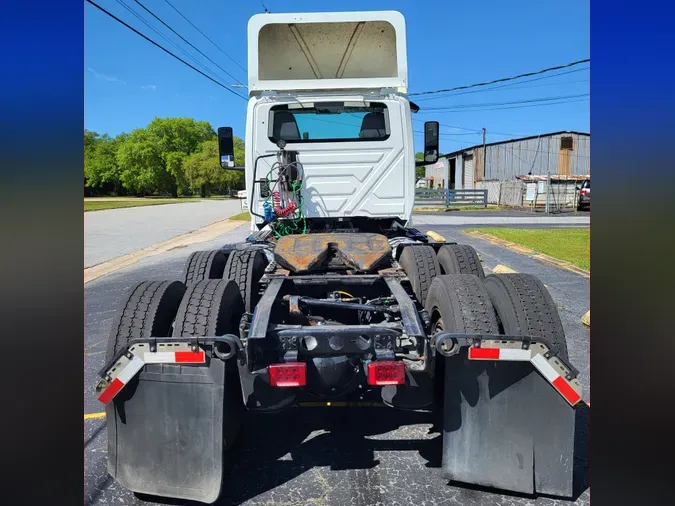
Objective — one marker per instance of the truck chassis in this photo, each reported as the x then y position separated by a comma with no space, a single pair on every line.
266,324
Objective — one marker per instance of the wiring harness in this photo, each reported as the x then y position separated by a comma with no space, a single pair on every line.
283,204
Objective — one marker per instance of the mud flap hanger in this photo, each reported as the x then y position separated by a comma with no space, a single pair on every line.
130,359
536,350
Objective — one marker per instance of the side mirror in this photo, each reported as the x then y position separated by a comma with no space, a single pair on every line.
431,141
226,149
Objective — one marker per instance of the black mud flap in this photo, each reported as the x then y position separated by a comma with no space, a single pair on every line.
506,427
166,433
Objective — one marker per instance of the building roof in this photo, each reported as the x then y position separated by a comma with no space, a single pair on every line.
513,140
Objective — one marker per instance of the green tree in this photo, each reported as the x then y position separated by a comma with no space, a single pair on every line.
152,159
101,171
419,171
203,170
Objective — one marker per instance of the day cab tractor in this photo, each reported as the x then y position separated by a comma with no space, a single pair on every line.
335,296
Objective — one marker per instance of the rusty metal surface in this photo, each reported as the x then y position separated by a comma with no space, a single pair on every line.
359,252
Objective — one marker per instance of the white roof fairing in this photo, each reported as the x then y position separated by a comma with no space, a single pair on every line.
321,51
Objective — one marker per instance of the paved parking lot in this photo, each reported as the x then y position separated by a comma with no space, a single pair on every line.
332,456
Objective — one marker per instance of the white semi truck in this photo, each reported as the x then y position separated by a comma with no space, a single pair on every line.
334,295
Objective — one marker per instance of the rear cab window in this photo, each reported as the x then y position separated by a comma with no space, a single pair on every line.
329,122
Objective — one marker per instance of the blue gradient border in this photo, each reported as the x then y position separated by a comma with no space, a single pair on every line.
41,164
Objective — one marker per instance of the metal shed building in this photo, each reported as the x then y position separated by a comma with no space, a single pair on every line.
560,153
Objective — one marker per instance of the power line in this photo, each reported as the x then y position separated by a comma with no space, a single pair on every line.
512,107
490,104
145,22
475,130
499,88
205,36
164,49
500,80
185,40
509,85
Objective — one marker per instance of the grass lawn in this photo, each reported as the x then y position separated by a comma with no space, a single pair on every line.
102,203
245,216
569,244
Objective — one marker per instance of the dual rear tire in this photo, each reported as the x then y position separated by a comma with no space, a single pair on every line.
507,304
245,266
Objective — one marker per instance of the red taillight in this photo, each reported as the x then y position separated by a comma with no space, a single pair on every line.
292,374
385,372
584,192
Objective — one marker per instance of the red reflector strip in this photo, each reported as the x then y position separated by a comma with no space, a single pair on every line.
386,372
175,357
500,354
566,390
292,374
558,382
109,393
190,357
484,353
124,377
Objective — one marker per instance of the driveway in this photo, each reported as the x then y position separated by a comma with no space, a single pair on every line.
115,232
331,456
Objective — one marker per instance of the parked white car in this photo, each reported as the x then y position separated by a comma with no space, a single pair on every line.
241,194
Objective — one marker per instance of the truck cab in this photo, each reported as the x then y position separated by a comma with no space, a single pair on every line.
328,92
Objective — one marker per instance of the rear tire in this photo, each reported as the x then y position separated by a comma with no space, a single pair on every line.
147,311
246,267
211,307
525,308
214,307
459,259
421,266
460,303
204,265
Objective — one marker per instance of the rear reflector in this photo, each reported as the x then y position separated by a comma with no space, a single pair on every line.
292,374
124,377
175,357
385,372
499,354
558,382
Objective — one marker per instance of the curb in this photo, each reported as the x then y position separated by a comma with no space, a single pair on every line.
586,319
531,253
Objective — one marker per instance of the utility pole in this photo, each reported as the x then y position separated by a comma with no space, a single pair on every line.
484,154
548,192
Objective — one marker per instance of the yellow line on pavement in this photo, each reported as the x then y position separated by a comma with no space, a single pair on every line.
91,416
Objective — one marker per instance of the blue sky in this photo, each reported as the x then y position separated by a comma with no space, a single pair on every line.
128,81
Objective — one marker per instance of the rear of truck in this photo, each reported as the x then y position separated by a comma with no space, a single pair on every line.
335,296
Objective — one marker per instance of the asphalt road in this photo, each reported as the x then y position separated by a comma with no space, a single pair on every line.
115,232
362,456
489,218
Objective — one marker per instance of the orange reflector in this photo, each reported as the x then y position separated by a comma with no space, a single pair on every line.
386,372
292,374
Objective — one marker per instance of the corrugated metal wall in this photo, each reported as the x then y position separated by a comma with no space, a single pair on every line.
537,155
439,171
